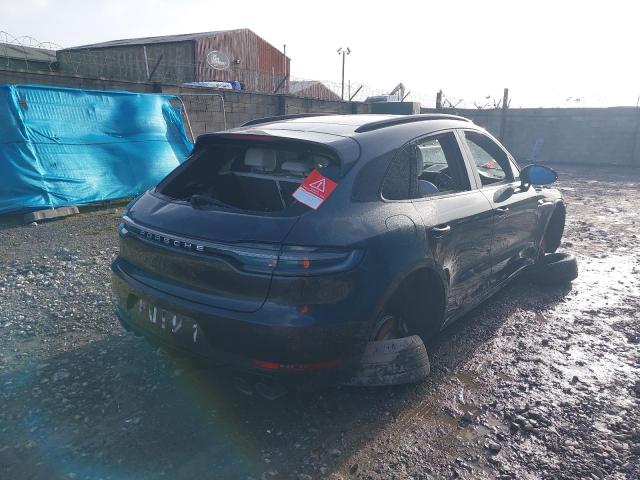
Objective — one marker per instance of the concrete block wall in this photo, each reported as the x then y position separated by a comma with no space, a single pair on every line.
590,136
577,136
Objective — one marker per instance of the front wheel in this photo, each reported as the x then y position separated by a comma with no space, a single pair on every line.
554,269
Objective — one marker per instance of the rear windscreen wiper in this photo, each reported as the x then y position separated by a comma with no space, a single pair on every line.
200,200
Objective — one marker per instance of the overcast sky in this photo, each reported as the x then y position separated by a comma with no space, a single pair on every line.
547,52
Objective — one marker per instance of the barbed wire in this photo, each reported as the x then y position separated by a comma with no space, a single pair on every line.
139,65
27,41
16,48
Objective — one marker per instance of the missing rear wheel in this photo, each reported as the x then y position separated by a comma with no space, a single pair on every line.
389,327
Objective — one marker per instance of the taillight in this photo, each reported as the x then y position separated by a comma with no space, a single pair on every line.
294,260
253,258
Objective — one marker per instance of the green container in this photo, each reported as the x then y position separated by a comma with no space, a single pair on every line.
396,108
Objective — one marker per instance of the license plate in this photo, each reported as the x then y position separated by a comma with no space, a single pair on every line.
179,329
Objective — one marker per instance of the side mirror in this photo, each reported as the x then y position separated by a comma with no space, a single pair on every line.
537,175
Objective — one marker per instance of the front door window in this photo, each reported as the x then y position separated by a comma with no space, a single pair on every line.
491,161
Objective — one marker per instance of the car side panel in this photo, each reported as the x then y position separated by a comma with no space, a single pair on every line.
515,238
389,235
464,251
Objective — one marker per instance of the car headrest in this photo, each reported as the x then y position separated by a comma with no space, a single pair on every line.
426,188
296,167
260,158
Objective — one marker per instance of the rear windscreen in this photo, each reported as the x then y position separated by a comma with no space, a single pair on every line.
251,176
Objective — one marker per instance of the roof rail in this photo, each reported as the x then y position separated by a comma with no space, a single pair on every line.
367,127
258,121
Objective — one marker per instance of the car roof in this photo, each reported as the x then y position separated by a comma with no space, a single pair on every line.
372,133
346,125
349,122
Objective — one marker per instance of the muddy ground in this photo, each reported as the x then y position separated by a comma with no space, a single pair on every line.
538,382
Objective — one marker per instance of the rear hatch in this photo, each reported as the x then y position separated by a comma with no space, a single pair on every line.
212,231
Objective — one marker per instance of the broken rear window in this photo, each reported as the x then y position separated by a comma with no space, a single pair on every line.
252,176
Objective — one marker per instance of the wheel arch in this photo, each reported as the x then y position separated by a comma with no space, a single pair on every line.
554,228
421,293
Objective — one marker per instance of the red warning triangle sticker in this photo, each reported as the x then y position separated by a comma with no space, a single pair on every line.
318,185
314,190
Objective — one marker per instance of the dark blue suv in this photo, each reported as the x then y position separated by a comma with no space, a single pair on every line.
233,258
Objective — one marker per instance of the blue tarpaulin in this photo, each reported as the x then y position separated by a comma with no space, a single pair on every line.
64,146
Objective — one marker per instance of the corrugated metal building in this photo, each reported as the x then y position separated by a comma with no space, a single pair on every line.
312,89
27,58
230,55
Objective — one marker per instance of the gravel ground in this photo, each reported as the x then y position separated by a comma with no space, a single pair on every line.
535,383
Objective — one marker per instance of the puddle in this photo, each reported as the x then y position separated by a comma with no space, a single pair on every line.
593,290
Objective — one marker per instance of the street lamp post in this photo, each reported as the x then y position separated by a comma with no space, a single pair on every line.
344,51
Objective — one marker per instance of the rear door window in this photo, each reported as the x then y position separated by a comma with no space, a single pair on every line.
440,166
428,167
250,176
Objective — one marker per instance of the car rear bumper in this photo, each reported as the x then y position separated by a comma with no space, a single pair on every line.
278,340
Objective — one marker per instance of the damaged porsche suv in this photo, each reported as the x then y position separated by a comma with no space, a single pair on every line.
332,247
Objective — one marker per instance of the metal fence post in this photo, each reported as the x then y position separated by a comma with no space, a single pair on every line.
635,154
503,115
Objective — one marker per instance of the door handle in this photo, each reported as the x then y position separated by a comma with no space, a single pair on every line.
501,211
439,231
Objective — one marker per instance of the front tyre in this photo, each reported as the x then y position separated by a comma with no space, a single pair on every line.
554,269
